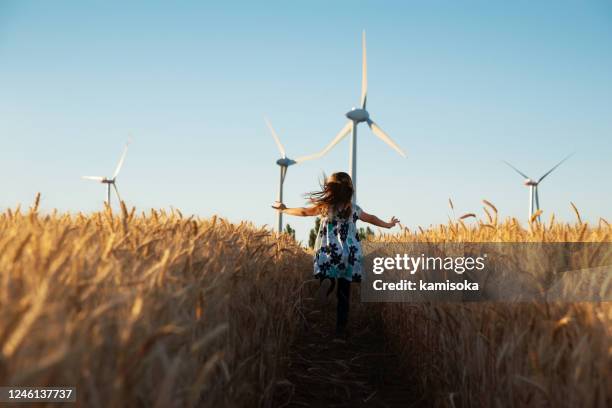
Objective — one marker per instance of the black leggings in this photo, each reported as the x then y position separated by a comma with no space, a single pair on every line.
343,293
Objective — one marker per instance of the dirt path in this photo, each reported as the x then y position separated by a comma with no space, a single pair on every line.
360,372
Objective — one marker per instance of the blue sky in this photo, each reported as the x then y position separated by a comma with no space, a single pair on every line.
458,86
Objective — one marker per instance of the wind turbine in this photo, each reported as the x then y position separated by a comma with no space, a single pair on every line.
284,162
111,181
357,116
534,198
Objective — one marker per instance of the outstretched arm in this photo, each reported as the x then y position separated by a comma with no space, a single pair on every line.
374,220
299,211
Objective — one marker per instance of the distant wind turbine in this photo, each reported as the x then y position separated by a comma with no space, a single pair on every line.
356,116
284,162
112,180
534,198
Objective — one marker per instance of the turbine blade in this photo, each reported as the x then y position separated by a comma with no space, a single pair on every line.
343,132
537,198
96,178
117,191
276,139
517,170
385,137
121,160
364,72
530,201
557,165
309,157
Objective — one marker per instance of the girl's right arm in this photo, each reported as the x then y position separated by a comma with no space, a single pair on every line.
299,211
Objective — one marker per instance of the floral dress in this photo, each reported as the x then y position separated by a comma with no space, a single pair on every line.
338,251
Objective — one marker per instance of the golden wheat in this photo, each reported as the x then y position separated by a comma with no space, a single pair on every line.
146,310
514,355
160,309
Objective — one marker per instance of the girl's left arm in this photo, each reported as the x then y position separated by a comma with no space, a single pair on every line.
298,211
374,220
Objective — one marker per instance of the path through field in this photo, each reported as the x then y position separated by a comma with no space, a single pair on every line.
360,372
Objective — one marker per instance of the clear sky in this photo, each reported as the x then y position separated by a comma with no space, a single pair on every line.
460,86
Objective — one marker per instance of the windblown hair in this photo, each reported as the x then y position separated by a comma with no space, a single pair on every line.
336,194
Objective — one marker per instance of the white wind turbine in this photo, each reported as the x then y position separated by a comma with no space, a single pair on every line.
534,198
111,181
356,116
284,162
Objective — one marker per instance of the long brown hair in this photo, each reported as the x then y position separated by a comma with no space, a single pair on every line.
336,193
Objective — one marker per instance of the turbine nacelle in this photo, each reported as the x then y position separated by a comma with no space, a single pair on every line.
530,182
358,115
285,162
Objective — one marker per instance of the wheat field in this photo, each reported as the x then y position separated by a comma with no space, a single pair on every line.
158,309
496,354
146,310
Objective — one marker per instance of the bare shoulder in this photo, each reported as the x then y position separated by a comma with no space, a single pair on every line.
313,210
364,216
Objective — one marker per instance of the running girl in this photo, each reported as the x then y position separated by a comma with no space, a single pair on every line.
338,255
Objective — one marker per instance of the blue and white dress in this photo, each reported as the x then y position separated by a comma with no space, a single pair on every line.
338,252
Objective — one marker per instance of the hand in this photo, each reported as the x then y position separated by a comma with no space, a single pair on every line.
279,206
393,222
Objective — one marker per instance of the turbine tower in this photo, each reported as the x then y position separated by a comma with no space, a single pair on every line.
112,180
357,116
284,162
534,198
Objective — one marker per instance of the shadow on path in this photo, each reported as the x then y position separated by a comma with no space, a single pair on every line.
358,372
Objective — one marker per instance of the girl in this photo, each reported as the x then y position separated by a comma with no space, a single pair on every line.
338,256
